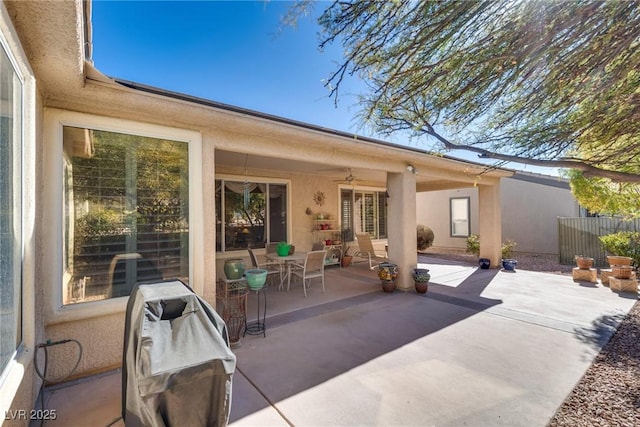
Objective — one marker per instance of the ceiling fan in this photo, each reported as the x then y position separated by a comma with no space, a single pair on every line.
349,179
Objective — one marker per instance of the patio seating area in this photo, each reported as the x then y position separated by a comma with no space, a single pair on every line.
482,347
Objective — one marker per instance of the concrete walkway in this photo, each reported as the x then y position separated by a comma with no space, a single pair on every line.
481,348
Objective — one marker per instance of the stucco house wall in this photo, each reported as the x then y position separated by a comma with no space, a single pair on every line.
530,205
51,43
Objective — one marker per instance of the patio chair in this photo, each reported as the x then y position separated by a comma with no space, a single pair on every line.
312,268
271,248
272,268
366,251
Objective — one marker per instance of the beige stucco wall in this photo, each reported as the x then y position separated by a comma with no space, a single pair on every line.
20,385
53,41
432,210
302,187
529,214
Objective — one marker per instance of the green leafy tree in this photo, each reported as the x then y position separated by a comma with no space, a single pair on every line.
543,82
603,196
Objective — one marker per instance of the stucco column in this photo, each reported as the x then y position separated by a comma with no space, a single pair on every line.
490,223
209,220
401,225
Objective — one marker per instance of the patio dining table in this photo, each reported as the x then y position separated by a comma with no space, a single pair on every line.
286,261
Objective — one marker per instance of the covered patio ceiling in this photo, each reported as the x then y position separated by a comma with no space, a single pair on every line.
460,174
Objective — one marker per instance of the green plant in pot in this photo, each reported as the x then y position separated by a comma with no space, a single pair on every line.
283,248
508,263
345,257
346,235
421,279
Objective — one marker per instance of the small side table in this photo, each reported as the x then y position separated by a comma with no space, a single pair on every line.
231,302
258,327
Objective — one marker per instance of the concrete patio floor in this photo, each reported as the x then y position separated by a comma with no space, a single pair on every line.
481,348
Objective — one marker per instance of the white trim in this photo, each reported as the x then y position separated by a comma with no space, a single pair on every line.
53,209
263,180
18,370
360,188
253,178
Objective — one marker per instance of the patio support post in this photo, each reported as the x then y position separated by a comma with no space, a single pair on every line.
401,225
490,223
209,220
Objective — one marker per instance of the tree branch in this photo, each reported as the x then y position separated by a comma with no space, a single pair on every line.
588,170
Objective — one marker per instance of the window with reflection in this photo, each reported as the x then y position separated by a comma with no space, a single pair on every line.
126,212
460,213
363,212
10,210
250,214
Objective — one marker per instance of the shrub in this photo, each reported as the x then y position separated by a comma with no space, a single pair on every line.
425,237
507,248
623,243
473,244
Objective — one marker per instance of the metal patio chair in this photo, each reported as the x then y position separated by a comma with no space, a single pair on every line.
366,251
312,268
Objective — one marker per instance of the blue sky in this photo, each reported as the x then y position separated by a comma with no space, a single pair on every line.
235,52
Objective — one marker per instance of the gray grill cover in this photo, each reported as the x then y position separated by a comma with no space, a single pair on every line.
178,367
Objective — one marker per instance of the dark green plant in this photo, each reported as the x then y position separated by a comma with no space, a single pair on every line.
100,222
623,243
425,237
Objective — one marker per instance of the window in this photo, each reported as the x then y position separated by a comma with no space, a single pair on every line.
459,210
364,212
10,210
254,213
126,212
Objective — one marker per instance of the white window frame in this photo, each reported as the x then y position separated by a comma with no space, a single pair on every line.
364,190
19,184
453,218
262,180
18,370
53,212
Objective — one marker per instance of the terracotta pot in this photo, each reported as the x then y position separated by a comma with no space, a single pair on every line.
388,285
621,271
618,260
584,263
346,260
421,287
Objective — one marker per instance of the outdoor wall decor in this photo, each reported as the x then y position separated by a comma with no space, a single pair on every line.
319,198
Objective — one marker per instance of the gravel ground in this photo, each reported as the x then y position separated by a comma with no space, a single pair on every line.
609,392
526,261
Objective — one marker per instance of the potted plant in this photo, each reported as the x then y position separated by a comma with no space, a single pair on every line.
345,257
473,247
421,279
508,263
388,273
